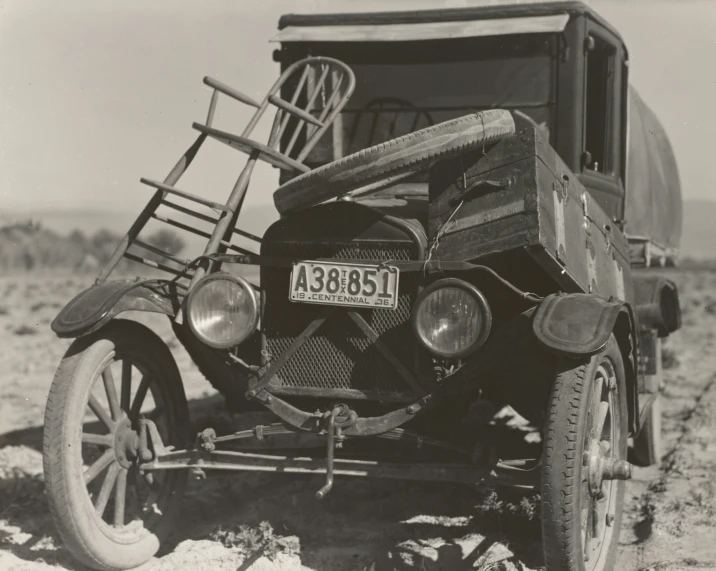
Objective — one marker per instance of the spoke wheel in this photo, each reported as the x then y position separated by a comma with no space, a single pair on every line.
109,514
583,464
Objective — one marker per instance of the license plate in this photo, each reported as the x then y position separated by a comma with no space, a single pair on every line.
357,285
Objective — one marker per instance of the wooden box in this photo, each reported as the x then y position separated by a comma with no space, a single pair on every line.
520,196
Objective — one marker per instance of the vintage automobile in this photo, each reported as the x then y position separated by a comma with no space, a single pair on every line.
471,201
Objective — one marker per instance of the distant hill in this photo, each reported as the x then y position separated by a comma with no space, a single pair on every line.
253,219
85,239
63,223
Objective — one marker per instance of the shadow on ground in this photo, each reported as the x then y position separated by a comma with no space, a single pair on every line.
376,525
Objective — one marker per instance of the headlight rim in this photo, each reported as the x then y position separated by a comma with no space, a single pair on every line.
254,307
482,302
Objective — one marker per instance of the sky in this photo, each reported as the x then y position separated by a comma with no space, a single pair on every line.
96,94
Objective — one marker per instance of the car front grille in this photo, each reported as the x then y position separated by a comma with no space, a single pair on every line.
338,359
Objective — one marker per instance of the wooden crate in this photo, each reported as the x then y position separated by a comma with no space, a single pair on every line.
521,196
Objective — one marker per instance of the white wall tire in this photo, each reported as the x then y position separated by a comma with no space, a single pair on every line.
109,516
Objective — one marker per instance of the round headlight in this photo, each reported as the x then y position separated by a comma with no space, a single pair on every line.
222,310
452,318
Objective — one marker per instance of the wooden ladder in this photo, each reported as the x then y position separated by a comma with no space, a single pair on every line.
298,125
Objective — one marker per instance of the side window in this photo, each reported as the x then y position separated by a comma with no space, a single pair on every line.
601,58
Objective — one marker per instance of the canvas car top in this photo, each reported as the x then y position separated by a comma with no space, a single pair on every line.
494,10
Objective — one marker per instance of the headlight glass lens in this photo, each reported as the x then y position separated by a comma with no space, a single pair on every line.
450,320
223,312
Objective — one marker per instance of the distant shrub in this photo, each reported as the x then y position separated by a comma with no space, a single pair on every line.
35,307
167,241
27,248
77,237
26,330
103,244
669,360
30,247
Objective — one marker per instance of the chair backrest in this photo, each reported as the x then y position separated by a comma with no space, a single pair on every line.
308,96
383,119
322,89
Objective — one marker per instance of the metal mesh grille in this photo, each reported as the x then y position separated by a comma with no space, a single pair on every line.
338,355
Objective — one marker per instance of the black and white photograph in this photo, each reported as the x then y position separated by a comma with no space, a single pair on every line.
341,285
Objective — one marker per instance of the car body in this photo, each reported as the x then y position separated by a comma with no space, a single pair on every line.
496,274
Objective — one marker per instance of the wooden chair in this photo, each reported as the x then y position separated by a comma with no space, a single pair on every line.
308,96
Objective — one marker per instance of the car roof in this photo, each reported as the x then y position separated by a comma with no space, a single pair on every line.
499,9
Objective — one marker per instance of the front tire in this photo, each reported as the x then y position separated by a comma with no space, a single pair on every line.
110,516
585,447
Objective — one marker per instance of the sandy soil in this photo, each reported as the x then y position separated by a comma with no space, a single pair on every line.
362,525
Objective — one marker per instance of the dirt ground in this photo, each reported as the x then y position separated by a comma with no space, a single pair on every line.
272,522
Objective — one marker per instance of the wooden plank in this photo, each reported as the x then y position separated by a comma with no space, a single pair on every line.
493,237
485,202
490,219
424,30
446,176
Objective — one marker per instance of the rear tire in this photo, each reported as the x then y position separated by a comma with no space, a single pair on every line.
647,449
580,532
109,516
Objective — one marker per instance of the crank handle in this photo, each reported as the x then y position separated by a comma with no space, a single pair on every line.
320,494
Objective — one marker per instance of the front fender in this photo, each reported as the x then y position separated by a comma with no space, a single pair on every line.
95,306
580,325
576,324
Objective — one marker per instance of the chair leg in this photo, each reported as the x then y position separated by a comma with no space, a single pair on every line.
224,227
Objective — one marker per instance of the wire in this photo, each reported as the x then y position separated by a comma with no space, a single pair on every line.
531,297
436,240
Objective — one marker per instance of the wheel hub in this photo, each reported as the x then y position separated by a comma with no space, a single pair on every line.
600,467
126,443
